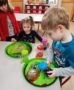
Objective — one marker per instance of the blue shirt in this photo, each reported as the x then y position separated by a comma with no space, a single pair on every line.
64,53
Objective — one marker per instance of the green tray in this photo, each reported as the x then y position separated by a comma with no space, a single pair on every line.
42,80
14,49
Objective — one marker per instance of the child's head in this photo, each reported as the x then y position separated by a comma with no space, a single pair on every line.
4,6
55,21
27,24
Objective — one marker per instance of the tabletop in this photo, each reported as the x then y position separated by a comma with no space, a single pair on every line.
36,17
11,77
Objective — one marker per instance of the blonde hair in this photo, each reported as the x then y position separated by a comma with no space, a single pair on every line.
53,17
27,20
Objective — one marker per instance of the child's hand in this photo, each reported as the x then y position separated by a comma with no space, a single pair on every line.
13,40
53,73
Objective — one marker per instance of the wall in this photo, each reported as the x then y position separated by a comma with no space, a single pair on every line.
69,7
18,3
67,4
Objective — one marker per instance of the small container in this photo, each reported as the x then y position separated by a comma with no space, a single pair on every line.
33,73
24,55
39,55
40,49
45,43
43,66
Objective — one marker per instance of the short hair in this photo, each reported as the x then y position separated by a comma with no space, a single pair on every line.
53,17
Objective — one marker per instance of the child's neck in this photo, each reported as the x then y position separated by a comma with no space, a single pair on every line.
67,37
28,32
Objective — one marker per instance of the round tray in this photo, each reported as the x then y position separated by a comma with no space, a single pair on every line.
14,49
42,79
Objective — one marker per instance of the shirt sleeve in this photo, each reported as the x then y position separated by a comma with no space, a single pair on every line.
68,71
38,36
19,36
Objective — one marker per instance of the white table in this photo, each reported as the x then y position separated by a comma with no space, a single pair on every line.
11,77
36,17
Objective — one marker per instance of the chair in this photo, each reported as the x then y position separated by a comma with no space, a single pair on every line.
72,19
65,80
17,9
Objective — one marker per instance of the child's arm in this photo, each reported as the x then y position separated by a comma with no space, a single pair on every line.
38,36
19,36
13,39
65,71
69,71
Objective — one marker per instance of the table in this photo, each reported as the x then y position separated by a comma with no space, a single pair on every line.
36,17
11,77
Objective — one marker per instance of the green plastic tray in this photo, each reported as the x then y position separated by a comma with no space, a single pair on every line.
14,49
42,80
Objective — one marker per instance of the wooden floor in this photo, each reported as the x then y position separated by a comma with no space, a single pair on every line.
69,85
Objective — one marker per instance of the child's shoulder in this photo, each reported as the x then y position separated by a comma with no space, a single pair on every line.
33,31
21,32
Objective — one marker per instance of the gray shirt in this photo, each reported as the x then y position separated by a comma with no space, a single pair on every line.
10,27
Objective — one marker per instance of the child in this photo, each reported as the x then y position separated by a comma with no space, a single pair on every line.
56,23
27,34
8,24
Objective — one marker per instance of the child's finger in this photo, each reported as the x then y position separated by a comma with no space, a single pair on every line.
49,72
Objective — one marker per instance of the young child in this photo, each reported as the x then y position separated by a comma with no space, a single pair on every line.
56,23
27,34
8,24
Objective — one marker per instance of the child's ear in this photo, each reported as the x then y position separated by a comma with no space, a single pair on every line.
60,27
